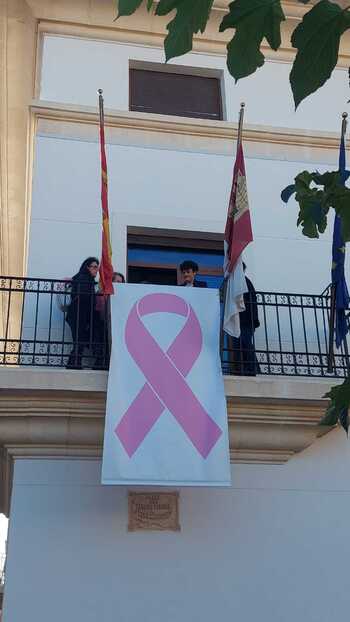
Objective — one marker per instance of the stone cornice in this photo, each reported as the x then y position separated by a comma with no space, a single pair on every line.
41,7
166,126
57,413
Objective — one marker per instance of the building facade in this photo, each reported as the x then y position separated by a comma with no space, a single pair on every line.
274,545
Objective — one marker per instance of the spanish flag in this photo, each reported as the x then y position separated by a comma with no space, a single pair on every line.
106,267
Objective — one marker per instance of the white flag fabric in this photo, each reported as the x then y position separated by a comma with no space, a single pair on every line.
166,419
236,287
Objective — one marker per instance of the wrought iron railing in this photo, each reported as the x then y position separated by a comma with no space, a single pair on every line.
292,338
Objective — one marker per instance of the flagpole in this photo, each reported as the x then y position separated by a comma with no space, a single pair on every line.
223,288
100,105
330,358
344,124
240,126
106,267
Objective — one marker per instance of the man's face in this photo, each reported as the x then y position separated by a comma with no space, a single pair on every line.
188,275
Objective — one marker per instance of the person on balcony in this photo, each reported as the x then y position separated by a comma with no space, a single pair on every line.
189,270
101,299
104,317
82,316
118,277
245,361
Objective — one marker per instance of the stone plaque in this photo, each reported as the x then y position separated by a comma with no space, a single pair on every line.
153,511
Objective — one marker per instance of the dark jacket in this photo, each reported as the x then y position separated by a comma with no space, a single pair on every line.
81,311
197,284
249,318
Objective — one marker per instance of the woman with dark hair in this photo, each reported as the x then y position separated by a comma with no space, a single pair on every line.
118,277
82,316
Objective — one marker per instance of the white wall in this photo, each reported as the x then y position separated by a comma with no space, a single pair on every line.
174,187
274,547
73,69
170,189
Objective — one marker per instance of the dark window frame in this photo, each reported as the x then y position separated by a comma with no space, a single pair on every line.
174,238
181,109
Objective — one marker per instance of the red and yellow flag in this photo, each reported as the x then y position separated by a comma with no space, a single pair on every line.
106,267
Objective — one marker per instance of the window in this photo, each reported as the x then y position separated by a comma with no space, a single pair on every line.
180,94
154,255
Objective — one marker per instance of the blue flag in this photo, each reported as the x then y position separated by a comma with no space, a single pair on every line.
338,258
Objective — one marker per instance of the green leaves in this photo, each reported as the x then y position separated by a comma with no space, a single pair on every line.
338,409
341,200
316,193
191,17
312,206
128,7
317,40
315,201
253,20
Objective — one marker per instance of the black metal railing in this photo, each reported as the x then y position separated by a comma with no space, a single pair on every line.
292,338
53,323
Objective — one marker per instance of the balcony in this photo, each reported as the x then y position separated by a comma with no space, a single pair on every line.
48,411
292,339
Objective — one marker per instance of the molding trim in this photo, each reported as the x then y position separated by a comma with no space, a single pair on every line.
57,418
210,44
167,125
96,20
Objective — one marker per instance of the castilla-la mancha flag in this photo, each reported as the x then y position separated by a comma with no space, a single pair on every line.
238,234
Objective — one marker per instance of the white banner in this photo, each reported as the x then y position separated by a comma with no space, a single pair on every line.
166,419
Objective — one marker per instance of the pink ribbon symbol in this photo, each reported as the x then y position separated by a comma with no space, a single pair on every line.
165,373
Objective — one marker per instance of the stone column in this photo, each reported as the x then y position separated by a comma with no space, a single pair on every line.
17,63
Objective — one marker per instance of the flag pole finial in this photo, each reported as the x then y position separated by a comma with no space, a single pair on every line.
100,105
240,124
344,123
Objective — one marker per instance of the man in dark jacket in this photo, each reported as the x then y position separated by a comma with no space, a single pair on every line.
189,271
246,363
